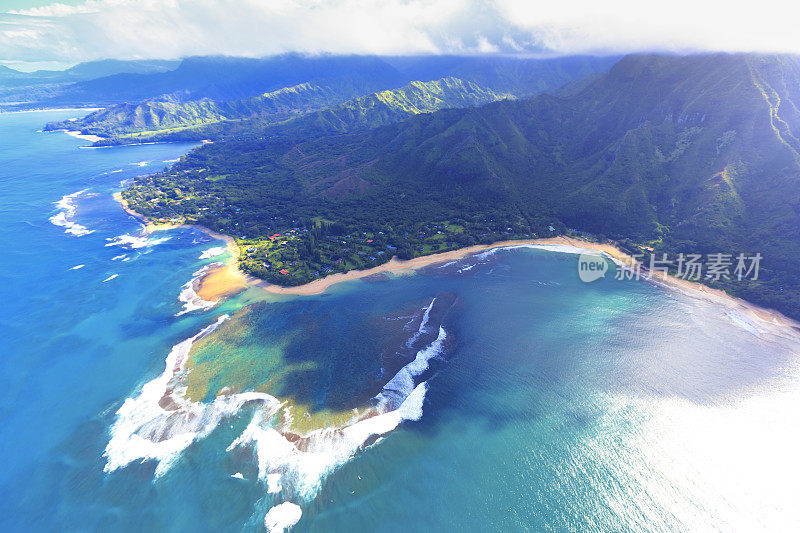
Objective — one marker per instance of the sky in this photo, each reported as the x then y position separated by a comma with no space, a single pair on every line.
70,31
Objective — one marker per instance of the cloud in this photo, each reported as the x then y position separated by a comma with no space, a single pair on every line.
175,28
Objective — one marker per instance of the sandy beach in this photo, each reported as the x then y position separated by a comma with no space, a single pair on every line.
396,265
79,135
225,280
768,317
218,282
228,279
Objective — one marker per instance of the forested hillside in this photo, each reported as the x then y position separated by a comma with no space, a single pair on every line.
190,101
696,154
170,114
287,112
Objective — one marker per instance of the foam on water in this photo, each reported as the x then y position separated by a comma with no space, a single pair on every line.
189,298
402,384
76,267
282,517
65,218
159,423
304,465
273,483
423,324
135,242
303,468
109,278
561,248
213,252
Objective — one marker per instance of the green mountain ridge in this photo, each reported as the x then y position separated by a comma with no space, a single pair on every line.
693,154
305,109
367,112
226,78
169,113
387,107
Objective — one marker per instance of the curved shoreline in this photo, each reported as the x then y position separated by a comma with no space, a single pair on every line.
228,279
217,283
769,317
319,286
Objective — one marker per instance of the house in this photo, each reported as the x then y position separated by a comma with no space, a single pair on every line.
284,272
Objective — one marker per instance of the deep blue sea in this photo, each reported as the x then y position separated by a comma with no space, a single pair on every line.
494,393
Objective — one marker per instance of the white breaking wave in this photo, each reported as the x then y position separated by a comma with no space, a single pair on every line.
273,483
283,516
304,465
135,242
401,385
561,248
65,217
423,325
118,257
76,267
159,424
478,258
189,298
109,278
213,252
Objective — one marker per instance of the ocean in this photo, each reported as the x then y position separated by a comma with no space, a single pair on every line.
492,393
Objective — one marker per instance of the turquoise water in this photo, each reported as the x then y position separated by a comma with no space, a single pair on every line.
536,402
